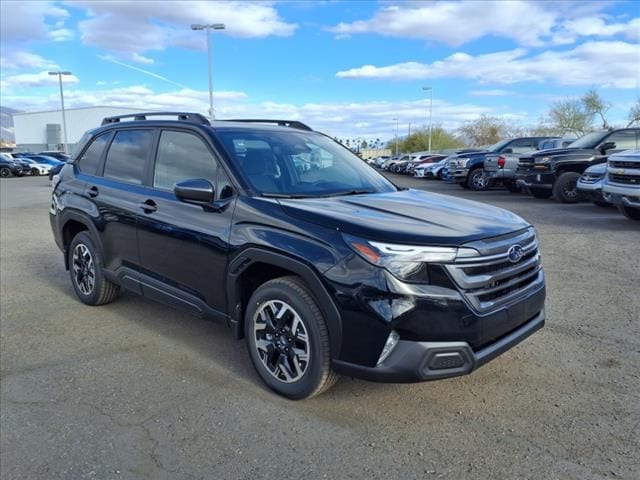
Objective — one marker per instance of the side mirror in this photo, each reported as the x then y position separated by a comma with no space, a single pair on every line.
607,146
196,190
508,150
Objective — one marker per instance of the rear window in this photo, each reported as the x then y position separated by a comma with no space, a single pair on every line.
127,156
88,162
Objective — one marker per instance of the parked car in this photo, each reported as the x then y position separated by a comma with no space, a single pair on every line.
35,166
430,170
388,165
400,165
333,270
53,171
44,160
421,160
468,171
380,160
61,156
591,182
622,183
556,172
13,167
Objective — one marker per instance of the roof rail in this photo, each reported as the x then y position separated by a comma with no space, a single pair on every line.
282,123
184,116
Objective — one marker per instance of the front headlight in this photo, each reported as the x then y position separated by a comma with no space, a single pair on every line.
543,160
407,262
462,162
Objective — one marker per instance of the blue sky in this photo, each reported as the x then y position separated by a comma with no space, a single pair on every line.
348,68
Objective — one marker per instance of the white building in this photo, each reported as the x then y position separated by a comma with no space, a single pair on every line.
38,131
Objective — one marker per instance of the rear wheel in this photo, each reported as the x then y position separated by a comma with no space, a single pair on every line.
5,172
477,180
540,192
565,188
35,172
511,186
288,339
85,268
630,212
439,175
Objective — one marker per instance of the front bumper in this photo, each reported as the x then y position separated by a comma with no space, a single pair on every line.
413,361
459,175
621,195
536,180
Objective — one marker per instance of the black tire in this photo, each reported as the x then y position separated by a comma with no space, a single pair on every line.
540,192
5,172
35,172
630,212
565,188
439,175
317,374
477,181
102,290
512,186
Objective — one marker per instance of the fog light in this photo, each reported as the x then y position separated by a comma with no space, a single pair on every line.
389,345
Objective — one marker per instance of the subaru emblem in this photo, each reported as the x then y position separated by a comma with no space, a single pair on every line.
515,253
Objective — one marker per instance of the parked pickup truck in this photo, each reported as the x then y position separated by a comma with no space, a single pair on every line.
622,183
468,171
556,172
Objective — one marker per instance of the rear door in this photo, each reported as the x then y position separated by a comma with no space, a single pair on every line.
183,247
117,191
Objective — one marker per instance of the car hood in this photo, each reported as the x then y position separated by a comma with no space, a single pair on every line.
406,217
598,168
560,152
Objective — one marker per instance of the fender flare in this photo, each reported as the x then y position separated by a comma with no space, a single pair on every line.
251,255
85,220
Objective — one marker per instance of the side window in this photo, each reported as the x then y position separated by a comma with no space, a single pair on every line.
625,140
182,156
88,162
127,156
522,146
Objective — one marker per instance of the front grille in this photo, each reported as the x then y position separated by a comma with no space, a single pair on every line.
623,164
624,179
491,280
525,164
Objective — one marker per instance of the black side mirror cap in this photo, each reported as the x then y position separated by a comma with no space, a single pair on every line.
196,190
607,146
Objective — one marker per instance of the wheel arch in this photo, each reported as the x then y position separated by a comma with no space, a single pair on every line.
73,223
253,266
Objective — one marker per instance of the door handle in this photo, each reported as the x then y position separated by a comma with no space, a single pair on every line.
93,191
148,206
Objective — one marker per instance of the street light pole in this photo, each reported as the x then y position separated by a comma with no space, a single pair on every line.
207,28
396,135
64,116
430,111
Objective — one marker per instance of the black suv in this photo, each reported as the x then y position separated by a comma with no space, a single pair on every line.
556,172
322,264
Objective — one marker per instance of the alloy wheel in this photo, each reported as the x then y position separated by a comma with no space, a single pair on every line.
84,272
478,181
282,341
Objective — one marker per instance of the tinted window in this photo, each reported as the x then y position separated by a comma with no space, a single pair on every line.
624,140
522,146
127,156
88,162
182,156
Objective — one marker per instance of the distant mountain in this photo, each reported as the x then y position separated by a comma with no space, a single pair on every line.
6,124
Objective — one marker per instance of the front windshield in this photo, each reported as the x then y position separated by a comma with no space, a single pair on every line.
498,146
300,164
590,140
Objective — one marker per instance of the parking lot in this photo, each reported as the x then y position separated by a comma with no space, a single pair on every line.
137,390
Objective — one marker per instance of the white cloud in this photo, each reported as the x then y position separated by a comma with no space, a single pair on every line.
61,35
41,79
18,59
616,64
490,93
345,120
28,20
133,28
455,23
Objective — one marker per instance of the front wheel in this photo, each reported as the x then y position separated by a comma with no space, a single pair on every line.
288,339
630,212
5,172
565,188
35,172
477,180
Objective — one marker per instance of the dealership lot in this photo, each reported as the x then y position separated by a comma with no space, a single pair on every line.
136,390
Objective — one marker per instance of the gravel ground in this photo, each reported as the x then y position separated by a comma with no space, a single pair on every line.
138,391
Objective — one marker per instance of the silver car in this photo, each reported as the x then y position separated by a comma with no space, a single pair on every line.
590,184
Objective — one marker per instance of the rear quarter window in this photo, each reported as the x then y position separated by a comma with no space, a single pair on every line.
90,159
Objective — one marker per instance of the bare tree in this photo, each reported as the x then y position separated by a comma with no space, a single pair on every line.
596,105
484,130
570,116
634,113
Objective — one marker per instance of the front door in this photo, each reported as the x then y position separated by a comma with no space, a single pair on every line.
183,247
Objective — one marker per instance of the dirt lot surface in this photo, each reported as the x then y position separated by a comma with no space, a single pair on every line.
135,390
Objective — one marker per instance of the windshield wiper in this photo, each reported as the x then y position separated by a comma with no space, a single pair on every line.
351,192
284,195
